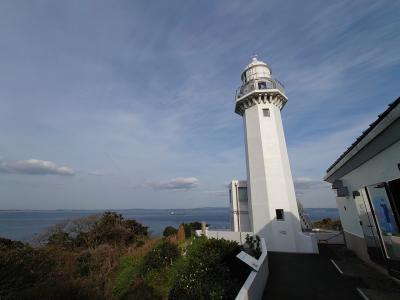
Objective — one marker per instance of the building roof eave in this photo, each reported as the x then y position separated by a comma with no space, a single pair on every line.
383,121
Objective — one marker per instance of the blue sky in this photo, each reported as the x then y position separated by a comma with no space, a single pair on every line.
129,104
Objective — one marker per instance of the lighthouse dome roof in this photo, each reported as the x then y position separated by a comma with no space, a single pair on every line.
255,62
256,69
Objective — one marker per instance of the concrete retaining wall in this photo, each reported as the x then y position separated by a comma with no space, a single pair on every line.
254,286
306,242
239,237
334,237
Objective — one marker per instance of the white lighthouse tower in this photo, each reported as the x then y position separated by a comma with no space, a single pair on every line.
271,210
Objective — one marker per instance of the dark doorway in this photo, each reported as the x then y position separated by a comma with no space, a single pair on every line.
394,193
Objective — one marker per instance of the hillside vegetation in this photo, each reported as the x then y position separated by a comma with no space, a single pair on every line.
109,257
328,223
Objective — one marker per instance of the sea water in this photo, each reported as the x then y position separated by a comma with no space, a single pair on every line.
24,225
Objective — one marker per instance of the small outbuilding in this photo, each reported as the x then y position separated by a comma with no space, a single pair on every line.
366,178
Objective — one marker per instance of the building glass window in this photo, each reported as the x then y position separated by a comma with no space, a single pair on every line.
242,191
280,214
266,112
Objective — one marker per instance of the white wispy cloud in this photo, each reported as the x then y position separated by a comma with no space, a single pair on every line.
150,94
96,173
180,183
35,167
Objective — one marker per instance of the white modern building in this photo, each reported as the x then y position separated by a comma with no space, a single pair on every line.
366,178
239,209
266,204
239,204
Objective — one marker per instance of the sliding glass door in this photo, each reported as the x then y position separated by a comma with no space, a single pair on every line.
382,198
370,230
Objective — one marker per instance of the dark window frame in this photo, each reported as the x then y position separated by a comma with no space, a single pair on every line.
280,214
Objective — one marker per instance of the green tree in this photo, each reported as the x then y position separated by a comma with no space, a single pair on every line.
169,231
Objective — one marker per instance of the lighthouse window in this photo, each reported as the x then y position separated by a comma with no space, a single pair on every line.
262,85
266,112
280,214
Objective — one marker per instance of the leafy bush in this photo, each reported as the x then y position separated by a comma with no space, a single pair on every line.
28,273
139,289
196,225
61,239
98,257
169,231
125,274
146,276
190,228
210,271
21,267
160,256
75,260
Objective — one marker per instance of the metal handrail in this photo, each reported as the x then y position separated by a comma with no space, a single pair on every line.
252,86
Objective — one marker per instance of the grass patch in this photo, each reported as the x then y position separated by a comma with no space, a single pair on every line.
149,273
127,271
130,266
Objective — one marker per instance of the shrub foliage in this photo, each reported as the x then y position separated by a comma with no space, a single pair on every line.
210,271
328,223
169,231
160,256
108,257
76,262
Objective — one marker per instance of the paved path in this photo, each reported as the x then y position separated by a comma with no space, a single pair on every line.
306,276
374,282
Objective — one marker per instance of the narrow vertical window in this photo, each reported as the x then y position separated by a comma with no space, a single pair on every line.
266,112
243,194
280,214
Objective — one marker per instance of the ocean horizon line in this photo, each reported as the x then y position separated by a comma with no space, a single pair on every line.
118,209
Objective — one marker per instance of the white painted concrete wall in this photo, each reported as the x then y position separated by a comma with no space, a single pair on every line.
382,167
270,183
239,237
332,237
254,286
307,242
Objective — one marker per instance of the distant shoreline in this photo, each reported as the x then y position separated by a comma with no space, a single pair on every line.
23,225
120,209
